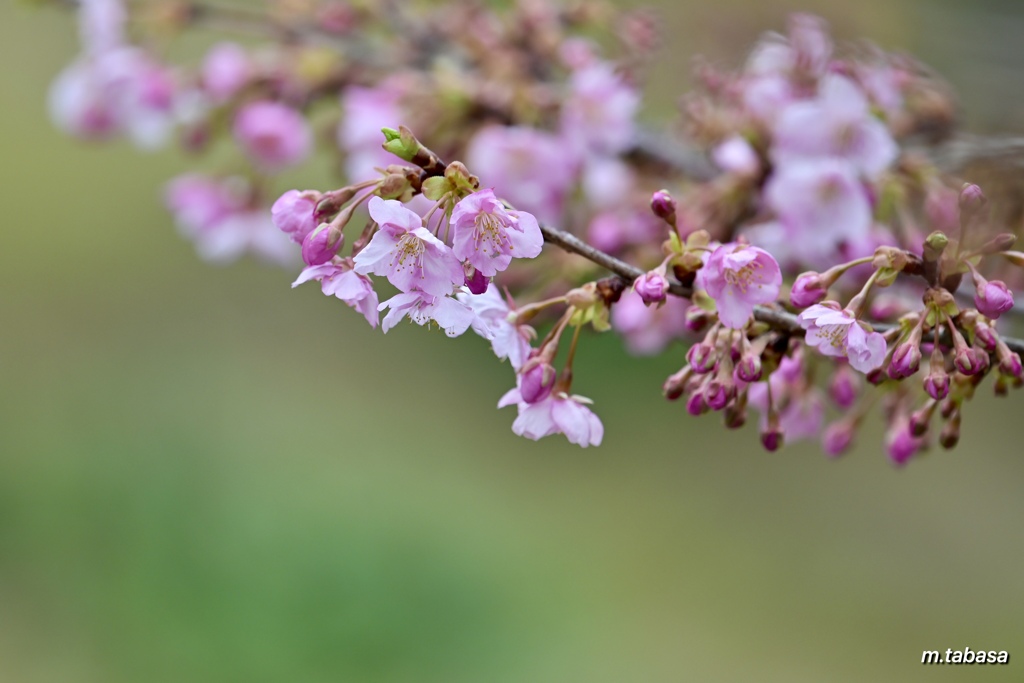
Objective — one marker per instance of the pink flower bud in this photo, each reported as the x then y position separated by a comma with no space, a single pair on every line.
900,444
992,298
905,360
919,420
652,287
292,213
476,281
1009,364
844,386
772,439
664,206
701,357
937,385
808,290
537,382
986,337
717,394
837,438
695,405
972,200
968,361
675,384
321,245
748,369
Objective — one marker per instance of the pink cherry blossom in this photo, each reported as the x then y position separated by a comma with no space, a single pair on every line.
820,205
837,333
226,70
558,413
838,123
528,167
739,277
451,315
992,298
491,322
488,235
652,287
735,155
273,135
407,254
597,116
339,280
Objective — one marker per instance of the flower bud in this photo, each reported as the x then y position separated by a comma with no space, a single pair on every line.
972,201
992,297
322,244
985,337
905,360
1009,362
1001,387
652,287
936,383
695,405
772,439
536,381
735,415
675,385
950,435
748,369
717,394
837,438
900,443
476,281
292,213
844,386
702,357
664,206
969,362
808,289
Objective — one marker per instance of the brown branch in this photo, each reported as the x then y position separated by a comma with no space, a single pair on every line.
777,319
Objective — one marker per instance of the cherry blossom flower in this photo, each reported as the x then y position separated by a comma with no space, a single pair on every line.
648,330
735,155
738,277
339,280
488,235
558,413
837,124
273,135
451,315
838,333
820,205
491,322
226,70
407,254
597,116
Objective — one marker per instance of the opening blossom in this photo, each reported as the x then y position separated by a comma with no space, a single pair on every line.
451,315
739,277
408,254
839,334
491,322
488,235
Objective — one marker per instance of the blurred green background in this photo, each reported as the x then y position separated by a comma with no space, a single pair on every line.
206,476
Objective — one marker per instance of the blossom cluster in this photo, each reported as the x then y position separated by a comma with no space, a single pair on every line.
811,260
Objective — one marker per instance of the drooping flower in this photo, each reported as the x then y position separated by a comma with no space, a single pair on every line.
558,413
992,297
508,340
407,254
838,333
339,280
451,315
488,235
738,277
837,124
528,167
273,135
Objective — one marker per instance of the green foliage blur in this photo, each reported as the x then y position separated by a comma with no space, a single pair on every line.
208,477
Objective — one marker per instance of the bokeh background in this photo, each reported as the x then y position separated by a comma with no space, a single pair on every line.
206,476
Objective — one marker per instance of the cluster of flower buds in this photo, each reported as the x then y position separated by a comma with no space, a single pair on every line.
810,262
